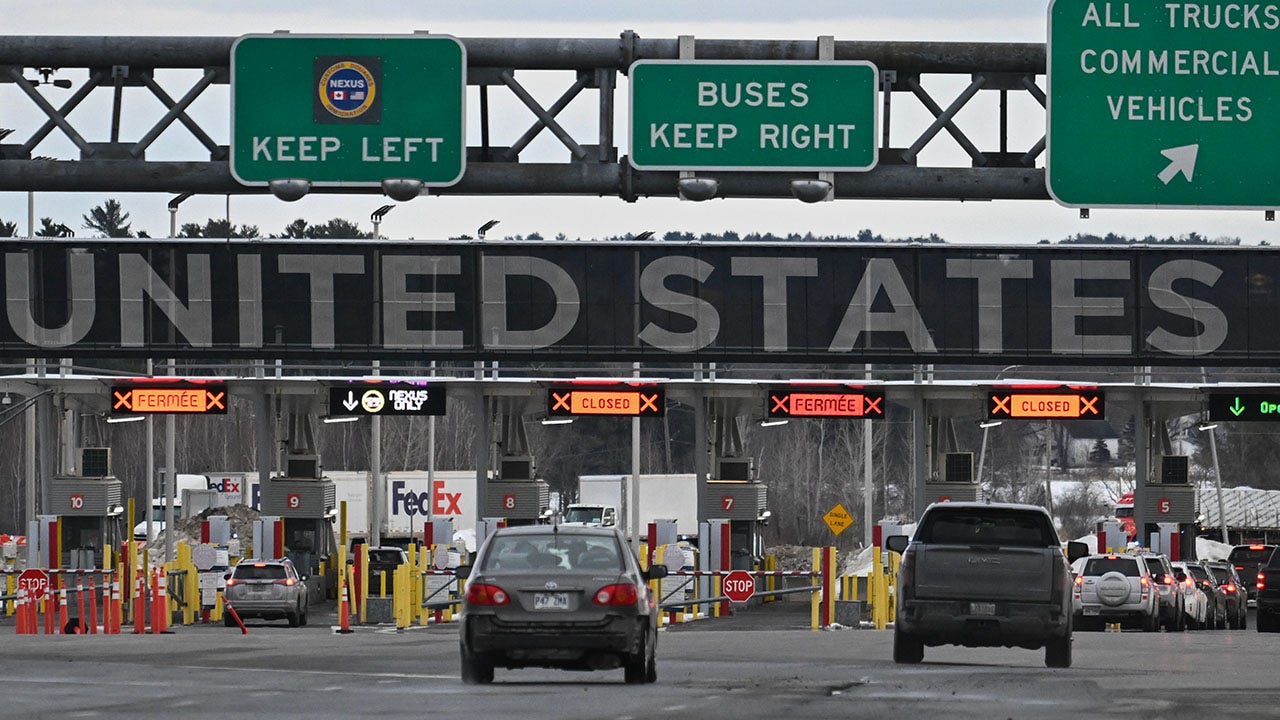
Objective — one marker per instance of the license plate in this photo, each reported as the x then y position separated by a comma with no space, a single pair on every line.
982,608
551,601
1092,611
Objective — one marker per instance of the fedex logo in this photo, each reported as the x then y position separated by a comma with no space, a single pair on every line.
225,485
438,502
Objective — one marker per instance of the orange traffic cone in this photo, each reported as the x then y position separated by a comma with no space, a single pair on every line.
344,612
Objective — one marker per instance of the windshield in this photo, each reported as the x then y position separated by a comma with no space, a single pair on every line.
1124,512
584,515
1250,554
260,572
987,526
386,557
1103,565
533,553
1222,575
1197,572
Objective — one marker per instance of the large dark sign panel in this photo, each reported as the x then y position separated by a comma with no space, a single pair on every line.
652,301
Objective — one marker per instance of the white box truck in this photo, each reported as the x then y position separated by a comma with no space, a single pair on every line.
662,497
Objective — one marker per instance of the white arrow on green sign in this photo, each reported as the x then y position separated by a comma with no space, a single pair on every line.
1158,103
754,115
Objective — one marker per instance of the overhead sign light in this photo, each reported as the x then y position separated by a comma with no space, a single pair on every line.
169,399
387,398
1248,406
625,401
1045,404
798,402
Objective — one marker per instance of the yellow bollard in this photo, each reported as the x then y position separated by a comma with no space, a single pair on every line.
655,586
815,597
364,582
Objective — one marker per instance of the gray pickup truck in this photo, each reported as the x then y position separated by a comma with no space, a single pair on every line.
984,575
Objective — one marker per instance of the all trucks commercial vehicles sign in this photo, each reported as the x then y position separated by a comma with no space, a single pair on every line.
1164,103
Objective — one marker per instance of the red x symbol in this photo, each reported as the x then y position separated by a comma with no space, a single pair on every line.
213,400
780,404
1088,404
873,405
648,402
1001,404
561,402
122,401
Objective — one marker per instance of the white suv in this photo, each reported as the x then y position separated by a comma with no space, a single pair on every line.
1117,588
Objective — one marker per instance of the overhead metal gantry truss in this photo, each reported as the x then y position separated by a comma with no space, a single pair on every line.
35,71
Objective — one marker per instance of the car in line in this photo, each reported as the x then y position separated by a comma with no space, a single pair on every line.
1267,586
271,589
1247,559
1195,602
1170,590
1234,591
568,597
1118,588
1216,618
984,575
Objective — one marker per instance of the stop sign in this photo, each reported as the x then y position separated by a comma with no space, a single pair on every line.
35,582
739,586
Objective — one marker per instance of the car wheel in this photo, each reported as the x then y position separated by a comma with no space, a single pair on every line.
1151,623
302,616
292,618
1244,619
1222,621
1057,652
1233,621
476,669
638,665
907,650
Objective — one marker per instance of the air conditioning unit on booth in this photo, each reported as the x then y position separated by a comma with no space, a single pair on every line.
95,462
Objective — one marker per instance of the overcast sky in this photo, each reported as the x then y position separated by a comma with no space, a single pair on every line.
435,217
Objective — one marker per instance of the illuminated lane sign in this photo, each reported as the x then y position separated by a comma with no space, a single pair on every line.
169,399
1252,405
796,402
1045,404
642,402
398,398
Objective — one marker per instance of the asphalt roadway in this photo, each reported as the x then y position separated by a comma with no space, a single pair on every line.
753,665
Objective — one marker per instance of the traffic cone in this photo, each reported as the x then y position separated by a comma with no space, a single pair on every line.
79,607
117,606
140,607
93,608
344,612
163,604
155,605
62,610
20,622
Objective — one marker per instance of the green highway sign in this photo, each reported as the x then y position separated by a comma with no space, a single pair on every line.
1253,404
1163,104
348,110
754,115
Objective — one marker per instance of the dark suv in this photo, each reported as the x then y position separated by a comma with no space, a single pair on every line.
1268,589
1247,559
1235,591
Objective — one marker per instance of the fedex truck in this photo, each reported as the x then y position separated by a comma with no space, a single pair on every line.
410,500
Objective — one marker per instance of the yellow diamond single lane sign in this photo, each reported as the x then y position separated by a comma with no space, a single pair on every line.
838,519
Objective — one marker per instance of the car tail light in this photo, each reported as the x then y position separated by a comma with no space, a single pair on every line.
286,581
1166,580
1145,582
619,594
1262,582
1231,588
1079,581
1239,567
1257,547
485,594
1189,583
231,581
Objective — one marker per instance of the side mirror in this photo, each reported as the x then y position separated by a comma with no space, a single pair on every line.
655,572
463,572
897,543
1076,550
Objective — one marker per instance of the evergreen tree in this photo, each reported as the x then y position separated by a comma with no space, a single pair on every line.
108,220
